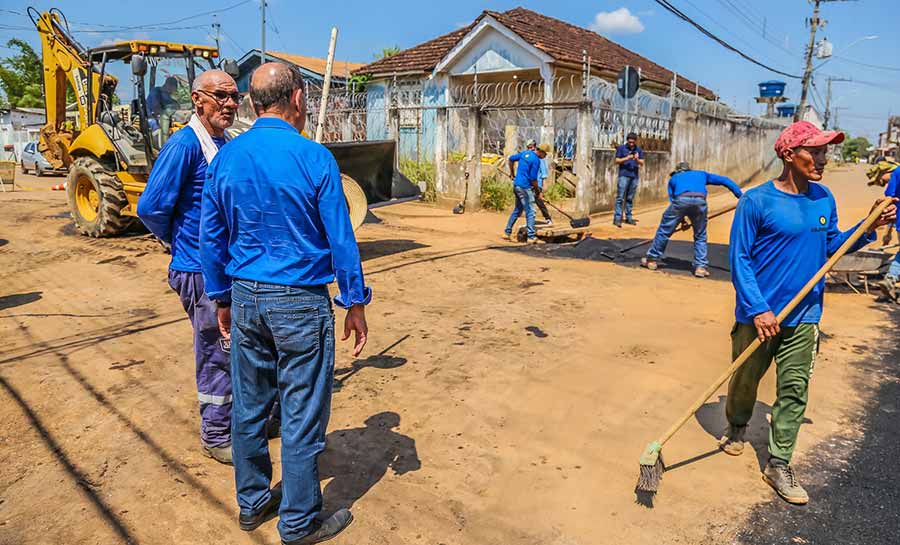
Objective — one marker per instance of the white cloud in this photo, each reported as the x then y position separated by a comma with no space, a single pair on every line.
620,21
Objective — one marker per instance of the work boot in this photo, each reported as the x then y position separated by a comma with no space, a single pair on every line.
701,272
509,237
617,223
532,240
324,530
631,221
221,453
732,441
248,523
780,476
889,288
649,263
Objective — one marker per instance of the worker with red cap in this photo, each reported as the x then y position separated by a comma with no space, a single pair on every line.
783,233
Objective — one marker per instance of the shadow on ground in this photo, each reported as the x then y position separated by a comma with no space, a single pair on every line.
853,485
373,249
628,253
19,299
357,458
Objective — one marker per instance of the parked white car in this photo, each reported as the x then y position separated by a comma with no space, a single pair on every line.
34,161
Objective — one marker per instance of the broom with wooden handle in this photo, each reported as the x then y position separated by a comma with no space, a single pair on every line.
652,466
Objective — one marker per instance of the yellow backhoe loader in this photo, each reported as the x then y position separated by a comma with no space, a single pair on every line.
109,147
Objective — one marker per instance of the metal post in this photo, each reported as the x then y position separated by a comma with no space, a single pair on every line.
262,51
216,25
807,72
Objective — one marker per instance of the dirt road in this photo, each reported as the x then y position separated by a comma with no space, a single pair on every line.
505,396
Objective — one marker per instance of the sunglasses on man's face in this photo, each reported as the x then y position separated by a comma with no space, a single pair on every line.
221,96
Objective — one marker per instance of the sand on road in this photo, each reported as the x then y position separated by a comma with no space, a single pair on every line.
504,397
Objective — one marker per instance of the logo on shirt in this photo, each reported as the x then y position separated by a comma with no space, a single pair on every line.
822,220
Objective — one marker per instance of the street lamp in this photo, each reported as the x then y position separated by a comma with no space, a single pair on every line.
854,42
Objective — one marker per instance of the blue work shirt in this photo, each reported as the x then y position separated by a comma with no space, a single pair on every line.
695,181
778,242
170,203
274,212
629,168
893,190
529,168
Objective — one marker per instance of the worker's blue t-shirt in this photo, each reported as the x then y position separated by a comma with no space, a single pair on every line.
629,168
893,190
528,169
170,204
778,242
695,181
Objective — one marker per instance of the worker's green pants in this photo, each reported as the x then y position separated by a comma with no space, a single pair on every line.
794,351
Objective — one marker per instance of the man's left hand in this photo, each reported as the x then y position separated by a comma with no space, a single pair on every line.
887,217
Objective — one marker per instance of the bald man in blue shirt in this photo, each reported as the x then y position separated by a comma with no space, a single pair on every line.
275,230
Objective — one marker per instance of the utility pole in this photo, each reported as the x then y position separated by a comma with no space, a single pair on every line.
216,25
814,24
828,103
262,51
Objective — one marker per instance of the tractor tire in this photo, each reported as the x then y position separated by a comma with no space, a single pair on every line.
96,199
357,204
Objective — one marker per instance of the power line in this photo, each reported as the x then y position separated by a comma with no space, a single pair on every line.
678,13
109,31
867,65
753,24
233,42
152,26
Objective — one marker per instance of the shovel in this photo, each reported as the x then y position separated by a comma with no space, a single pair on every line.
575,223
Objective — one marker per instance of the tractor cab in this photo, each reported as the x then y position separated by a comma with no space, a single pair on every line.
159,100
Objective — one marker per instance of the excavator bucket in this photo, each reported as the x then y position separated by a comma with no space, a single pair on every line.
372,166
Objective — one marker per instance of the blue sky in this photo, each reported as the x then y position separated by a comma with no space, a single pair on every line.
645,27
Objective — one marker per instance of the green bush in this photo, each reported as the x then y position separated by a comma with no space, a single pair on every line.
421,172
496,194
556,193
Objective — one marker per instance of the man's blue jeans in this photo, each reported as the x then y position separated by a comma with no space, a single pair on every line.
625,191
282,345
894,270
524,203
694,208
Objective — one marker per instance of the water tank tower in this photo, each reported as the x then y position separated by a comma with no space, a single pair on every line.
786,110
771,93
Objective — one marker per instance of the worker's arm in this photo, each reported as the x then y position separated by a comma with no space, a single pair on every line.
622,155
640,156
715,179
744,231
836,238
513,159
671,188
354,294
214,239
172,168
893,190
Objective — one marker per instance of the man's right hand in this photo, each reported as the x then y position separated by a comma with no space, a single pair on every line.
224,315
766,326
356,322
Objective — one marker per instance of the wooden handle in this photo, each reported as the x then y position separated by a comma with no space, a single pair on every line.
326,85
745,355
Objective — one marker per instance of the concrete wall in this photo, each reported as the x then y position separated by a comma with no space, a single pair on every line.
742,152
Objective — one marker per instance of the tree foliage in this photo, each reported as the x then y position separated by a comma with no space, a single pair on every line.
20,76
854,148
386,52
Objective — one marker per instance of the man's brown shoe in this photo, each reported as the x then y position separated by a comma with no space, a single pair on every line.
780,476
732,441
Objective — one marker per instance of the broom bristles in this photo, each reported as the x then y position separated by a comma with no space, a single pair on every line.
650,476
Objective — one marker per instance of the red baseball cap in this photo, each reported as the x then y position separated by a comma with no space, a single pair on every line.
804,133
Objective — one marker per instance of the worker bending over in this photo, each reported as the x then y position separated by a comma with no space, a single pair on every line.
687,197
890,286
275,232
525,187
783,233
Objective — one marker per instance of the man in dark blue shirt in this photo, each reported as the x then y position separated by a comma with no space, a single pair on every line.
630,158
170,208
687,195
525,187
275,231
783,233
